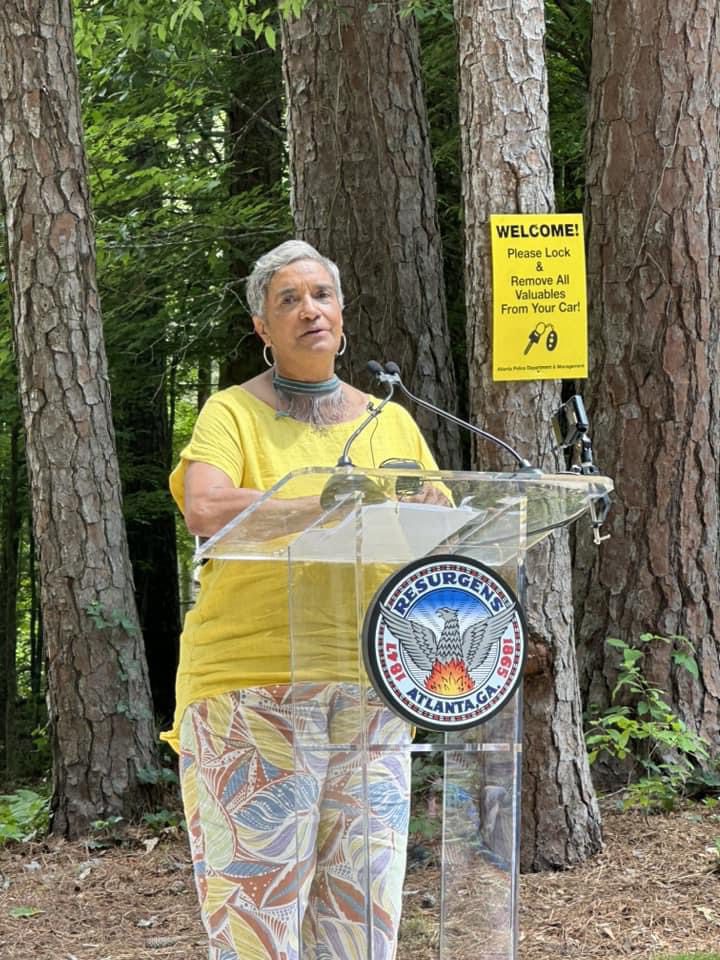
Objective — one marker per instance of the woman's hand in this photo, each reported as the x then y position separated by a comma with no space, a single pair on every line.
428,493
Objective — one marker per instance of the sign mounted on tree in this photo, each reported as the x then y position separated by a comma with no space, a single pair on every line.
539,296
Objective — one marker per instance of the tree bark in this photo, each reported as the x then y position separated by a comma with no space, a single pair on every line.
506,169
363,191
100,709
653,211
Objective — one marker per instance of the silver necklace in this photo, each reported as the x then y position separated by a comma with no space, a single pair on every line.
320,404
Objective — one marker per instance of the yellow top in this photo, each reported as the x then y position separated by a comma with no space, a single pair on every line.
236,635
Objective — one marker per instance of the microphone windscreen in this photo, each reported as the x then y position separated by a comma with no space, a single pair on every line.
374,367
392,367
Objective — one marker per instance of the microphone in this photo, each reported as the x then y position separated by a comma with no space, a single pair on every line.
339,486
373,412
391,376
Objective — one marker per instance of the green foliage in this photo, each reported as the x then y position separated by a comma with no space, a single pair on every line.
107,832
161,821
438,51
24,815
426,789
16,588
690,956
32,754
425,822
426,10
181,207
655,793
175,21
20,913
157,775
568,31
647,730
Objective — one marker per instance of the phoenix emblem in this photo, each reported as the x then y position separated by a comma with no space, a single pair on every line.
455,661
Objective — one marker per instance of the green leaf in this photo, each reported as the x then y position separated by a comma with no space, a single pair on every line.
18,912
615,642
688,662
631,656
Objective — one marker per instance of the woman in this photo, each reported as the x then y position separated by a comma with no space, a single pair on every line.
274,825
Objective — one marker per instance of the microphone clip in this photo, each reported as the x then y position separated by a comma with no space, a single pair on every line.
571,425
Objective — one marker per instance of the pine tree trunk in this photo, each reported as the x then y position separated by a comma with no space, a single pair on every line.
506,169
100,709
653,213
363,192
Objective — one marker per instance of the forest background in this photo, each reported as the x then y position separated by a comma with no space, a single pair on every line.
212,131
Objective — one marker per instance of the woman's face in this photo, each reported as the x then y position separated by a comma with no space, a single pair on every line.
303,320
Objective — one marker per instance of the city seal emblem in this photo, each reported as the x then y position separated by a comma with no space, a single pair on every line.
444,642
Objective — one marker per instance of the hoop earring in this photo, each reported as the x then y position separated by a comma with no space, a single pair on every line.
343,348
268,362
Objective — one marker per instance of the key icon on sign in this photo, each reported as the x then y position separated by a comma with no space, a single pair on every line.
534,337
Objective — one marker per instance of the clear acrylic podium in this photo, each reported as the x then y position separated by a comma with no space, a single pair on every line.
328,556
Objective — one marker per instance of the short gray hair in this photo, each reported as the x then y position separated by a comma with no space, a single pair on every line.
277,258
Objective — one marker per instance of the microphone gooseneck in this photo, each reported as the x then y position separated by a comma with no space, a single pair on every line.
342,486
373,412
391,376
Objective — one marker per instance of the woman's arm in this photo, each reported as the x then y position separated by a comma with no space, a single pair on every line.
211,501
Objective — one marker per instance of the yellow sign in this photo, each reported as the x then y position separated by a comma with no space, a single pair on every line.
539,297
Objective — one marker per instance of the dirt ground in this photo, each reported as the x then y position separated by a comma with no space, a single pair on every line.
654,890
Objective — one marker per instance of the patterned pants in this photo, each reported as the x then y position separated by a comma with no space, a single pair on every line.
290,823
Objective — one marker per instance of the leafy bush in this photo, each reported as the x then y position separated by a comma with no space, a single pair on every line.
24,815
163,820
648,731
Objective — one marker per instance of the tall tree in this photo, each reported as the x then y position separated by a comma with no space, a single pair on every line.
506,169
363,190
100,708
653,205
